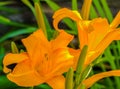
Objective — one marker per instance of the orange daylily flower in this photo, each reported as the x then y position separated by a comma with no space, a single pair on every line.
96,33
44,62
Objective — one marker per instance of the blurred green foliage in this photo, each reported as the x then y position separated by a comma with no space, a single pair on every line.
14,31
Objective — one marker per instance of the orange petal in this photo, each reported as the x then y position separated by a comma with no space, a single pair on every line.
118,36
76,54
99,31
82,34
13,58
62,61
24,75
37,46
64,13
91,56
115,34
62,40
90,81
57,82
63,67
116,21
57,63
107,40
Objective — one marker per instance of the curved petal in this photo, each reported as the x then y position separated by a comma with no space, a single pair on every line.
116,21
82,34
13,58
64,13
37,46
57,82
24,75
62,40
90,81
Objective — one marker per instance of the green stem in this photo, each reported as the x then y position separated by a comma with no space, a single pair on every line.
40,18
80,64
14,47
69,79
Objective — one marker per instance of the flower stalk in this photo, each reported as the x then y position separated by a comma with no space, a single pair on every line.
86,9
69,79
14,47
40,17
80,64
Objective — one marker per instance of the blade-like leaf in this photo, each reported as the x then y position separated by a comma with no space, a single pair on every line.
6,21
6,84
2,3
16,33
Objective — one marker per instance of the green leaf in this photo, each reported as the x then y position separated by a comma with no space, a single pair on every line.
2,53
17,32
48,28
3,19
6,84
42,86
8,9
36,1
93,13
6,21
52,5
107,10
2,3
99,7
